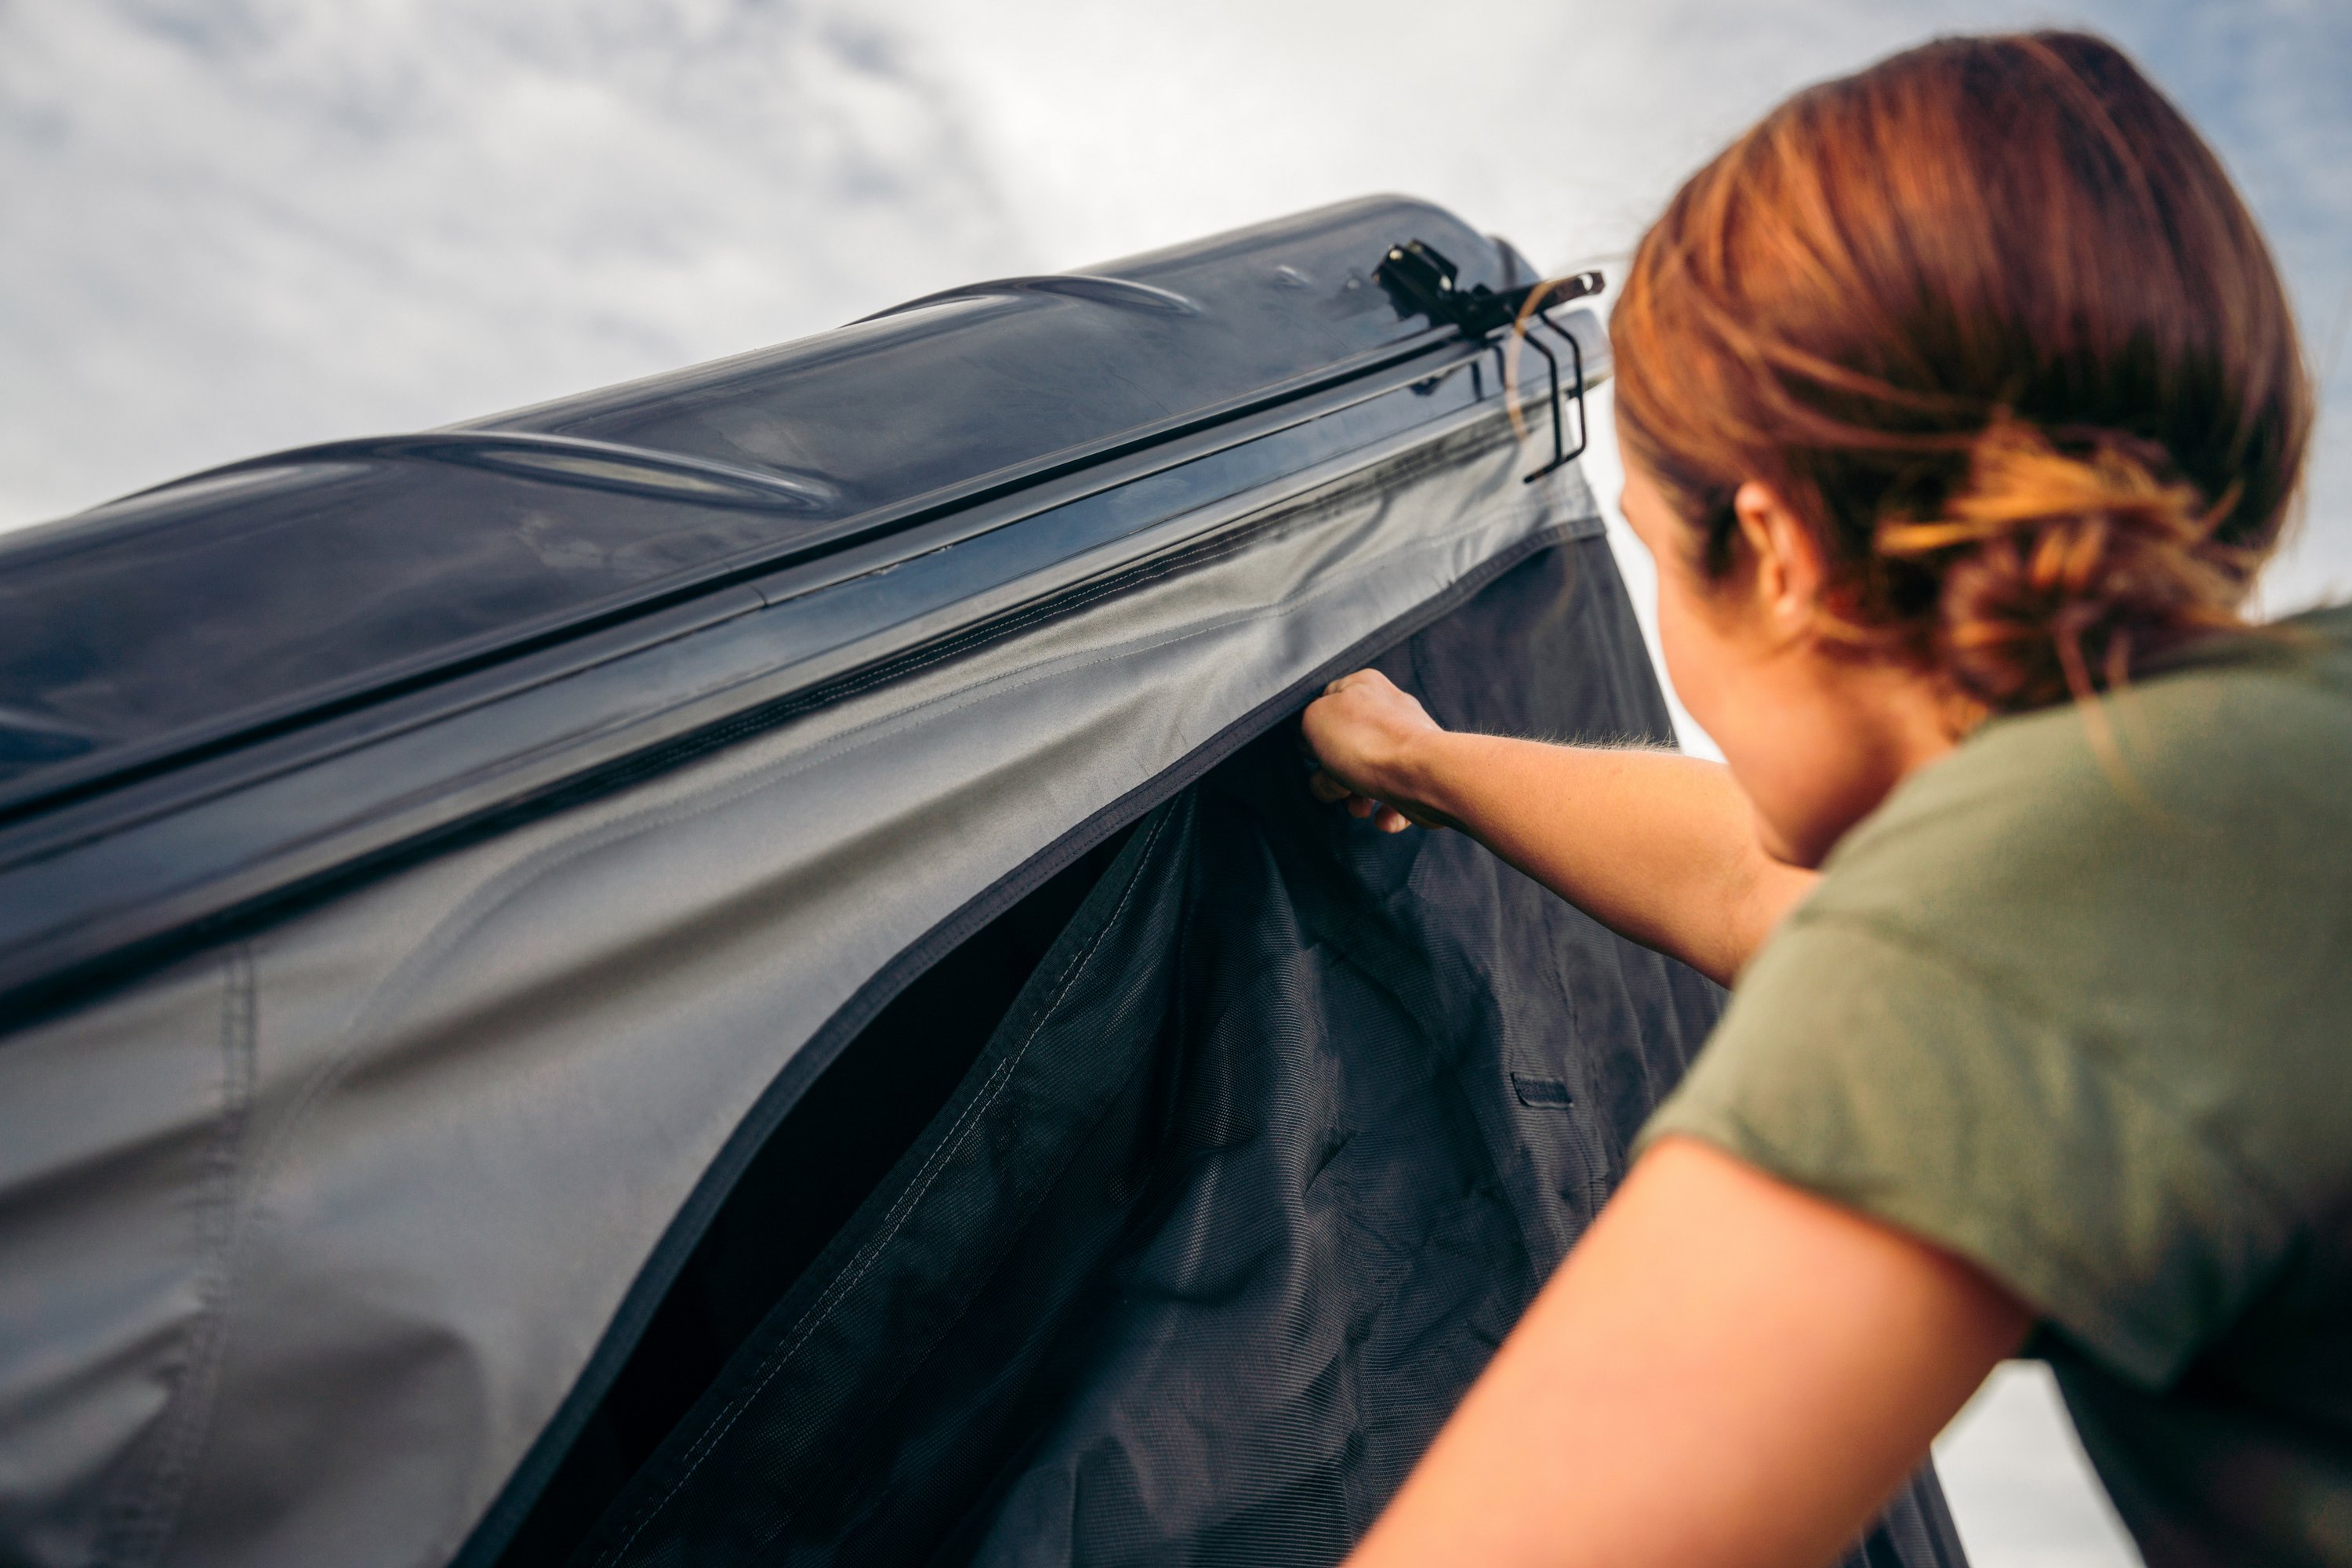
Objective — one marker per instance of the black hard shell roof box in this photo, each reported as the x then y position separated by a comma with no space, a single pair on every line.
443,878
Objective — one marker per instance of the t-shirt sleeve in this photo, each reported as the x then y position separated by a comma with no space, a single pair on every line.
1861,1066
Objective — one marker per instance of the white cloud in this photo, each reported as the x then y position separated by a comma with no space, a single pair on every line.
233,226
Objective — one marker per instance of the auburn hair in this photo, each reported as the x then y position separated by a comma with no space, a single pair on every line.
1990,319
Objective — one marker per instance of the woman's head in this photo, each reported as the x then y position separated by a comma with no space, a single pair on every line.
1986,338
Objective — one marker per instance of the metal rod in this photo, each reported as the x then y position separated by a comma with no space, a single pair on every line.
1561,457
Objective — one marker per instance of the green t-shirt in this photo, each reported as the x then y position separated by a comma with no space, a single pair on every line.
2082,1015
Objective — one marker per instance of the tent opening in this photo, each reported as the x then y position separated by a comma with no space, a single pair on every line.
843,1135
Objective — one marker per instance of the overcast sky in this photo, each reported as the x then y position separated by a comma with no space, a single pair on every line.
229,225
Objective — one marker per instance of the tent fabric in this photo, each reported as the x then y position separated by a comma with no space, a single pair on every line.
409,639
1271,1151
310,1235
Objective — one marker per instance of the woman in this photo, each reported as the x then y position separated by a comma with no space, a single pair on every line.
1959,401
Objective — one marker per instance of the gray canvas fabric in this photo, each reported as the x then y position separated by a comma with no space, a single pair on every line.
307,1237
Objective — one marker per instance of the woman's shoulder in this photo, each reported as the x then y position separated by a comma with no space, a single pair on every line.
2218,785
2160,886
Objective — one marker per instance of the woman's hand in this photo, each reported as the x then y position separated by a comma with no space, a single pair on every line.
1658,848
1369,742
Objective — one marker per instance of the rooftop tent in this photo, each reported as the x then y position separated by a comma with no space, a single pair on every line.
738,968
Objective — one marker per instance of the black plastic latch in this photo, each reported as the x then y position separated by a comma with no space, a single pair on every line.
1421,280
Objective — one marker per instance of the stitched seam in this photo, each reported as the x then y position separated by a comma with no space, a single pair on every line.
141,1525
900,1212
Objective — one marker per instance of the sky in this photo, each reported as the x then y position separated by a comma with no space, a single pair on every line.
231,226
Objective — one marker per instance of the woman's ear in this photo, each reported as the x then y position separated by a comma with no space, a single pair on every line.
1787,573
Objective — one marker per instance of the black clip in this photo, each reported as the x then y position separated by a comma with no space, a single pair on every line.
1420,279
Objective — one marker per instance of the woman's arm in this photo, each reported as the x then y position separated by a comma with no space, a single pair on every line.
1726,1370
1658,847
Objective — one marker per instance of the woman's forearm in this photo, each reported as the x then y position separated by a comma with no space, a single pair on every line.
1653,844
1660,847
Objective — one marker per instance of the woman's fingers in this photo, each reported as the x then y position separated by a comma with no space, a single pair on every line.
1328,787
1387,818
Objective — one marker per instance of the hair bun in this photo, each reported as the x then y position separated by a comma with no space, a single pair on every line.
2059,570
